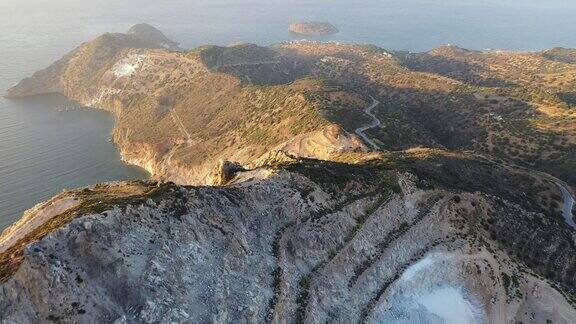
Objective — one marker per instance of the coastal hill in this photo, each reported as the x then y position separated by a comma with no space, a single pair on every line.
179,113
308,182
312,28
515,106
149,34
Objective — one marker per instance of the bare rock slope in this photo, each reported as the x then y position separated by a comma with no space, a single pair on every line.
314,241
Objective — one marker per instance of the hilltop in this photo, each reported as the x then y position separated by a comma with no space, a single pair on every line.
307,182
148,33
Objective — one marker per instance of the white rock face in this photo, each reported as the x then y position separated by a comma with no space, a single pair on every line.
433,291
282,248
128,66
451,306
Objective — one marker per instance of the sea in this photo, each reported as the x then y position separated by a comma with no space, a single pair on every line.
49,144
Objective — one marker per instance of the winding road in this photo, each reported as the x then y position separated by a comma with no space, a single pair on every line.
375,123
568,200
567,197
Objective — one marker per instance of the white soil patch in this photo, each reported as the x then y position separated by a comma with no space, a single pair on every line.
127,66
430,291
449,304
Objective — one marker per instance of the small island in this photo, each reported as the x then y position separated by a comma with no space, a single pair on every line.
313,28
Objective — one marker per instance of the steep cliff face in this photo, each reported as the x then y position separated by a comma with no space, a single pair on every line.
314,241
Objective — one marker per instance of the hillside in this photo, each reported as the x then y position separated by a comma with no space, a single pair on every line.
179,113
306,243
308,182
514,106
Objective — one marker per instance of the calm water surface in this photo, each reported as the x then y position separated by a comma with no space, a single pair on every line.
43,151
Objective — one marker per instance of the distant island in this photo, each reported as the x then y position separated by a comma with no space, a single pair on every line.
313,28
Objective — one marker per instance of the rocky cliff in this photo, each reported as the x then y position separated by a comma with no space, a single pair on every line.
311,241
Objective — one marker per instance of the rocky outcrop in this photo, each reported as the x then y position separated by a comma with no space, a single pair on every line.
224,172
313,28
324,144
150,34
314,241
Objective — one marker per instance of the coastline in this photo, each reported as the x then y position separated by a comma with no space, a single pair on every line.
50,151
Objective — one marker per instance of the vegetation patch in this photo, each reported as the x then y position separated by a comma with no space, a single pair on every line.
469,172
338,177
